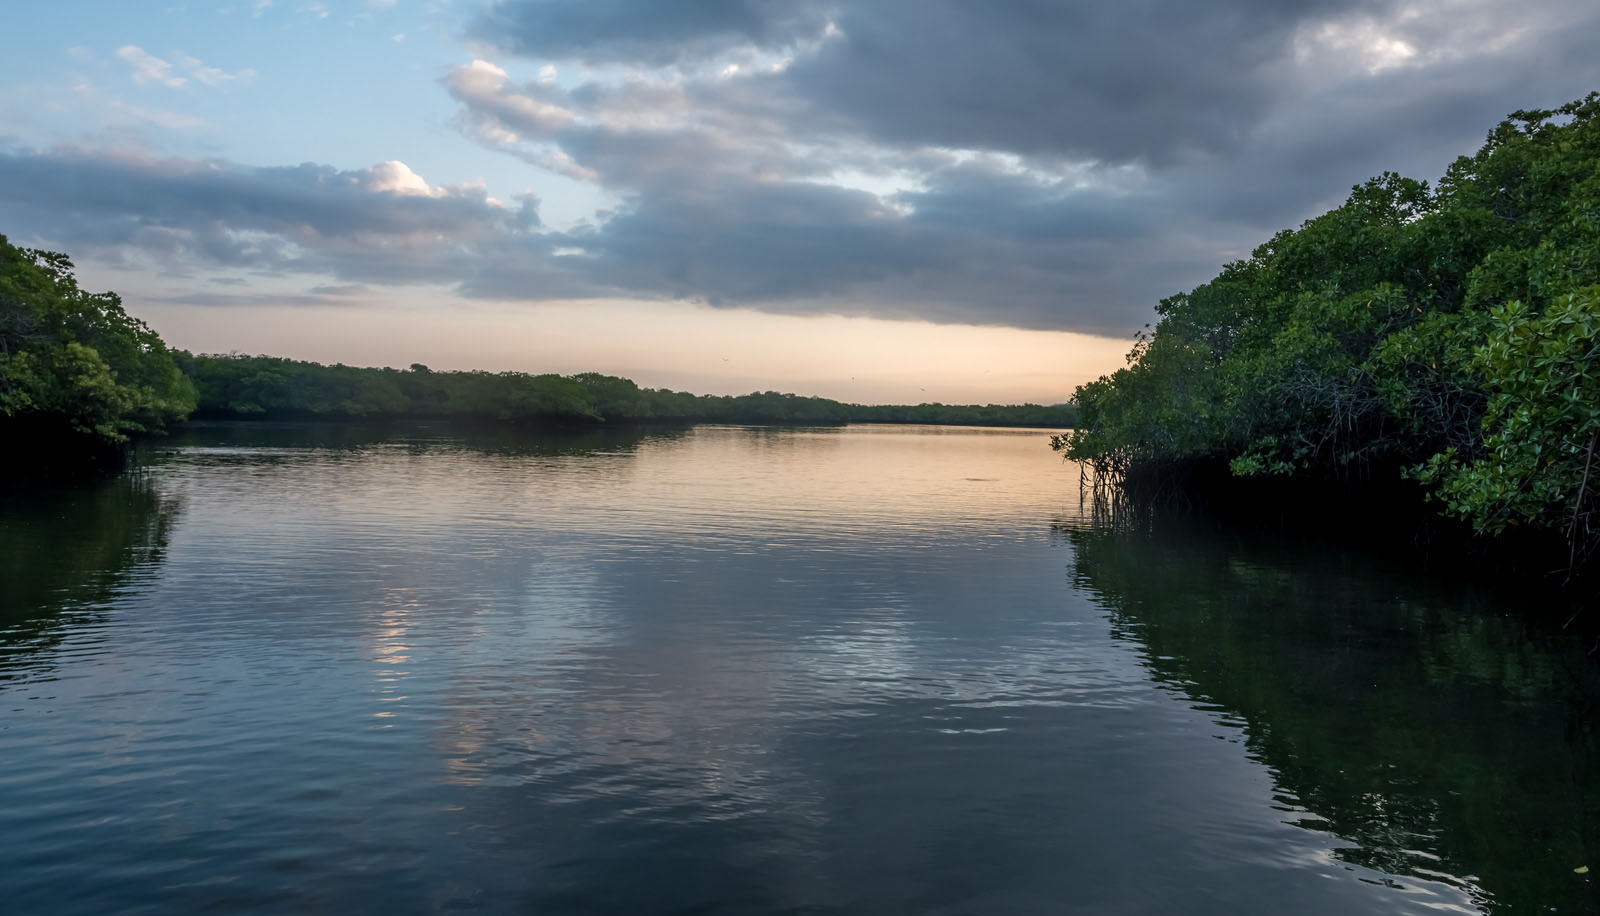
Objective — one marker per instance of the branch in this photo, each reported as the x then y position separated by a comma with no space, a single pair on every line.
1577,506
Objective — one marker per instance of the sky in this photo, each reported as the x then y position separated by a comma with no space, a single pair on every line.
872,200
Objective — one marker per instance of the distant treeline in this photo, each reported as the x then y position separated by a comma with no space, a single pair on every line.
1446,335
234,386
80,377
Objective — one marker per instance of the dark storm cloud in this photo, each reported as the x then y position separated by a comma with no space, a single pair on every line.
639,31
1000,204
1412,120
1112,81
984,248
1132,148
721,208
1107,81
1033,164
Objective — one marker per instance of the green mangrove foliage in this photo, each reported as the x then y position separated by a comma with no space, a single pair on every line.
1442,333
1537,461
73,364
268,387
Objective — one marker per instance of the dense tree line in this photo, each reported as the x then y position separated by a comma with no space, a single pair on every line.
74,367
1445,334
263,386
79,377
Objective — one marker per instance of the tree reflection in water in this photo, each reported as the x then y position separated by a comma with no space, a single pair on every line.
1426,723
65,552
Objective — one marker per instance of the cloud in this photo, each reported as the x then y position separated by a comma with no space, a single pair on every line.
347,289
209,299
1044,165
396,177
787,246
211,76
488,95
1052,166
640,32
722,209
1149,82
113,115
1105,81
147,68
383,224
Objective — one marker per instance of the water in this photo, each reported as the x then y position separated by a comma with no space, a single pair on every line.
868,670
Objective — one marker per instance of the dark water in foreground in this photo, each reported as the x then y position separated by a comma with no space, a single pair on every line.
868,671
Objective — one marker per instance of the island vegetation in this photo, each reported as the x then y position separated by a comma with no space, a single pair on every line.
80,378
1444,338
234,386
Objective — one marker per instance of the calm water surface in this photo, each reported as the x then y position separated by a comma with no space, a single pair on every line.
869,670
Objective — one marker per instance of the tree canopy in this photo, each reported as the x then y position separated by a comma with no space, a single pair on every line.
74,362
1444,333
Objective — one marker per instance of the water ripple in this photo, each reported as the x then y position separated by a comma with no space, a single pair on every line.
718,671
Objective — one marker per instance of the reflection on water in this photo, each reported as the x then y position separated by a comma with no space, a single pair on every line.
733,670
304,438
65,555
1427,725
